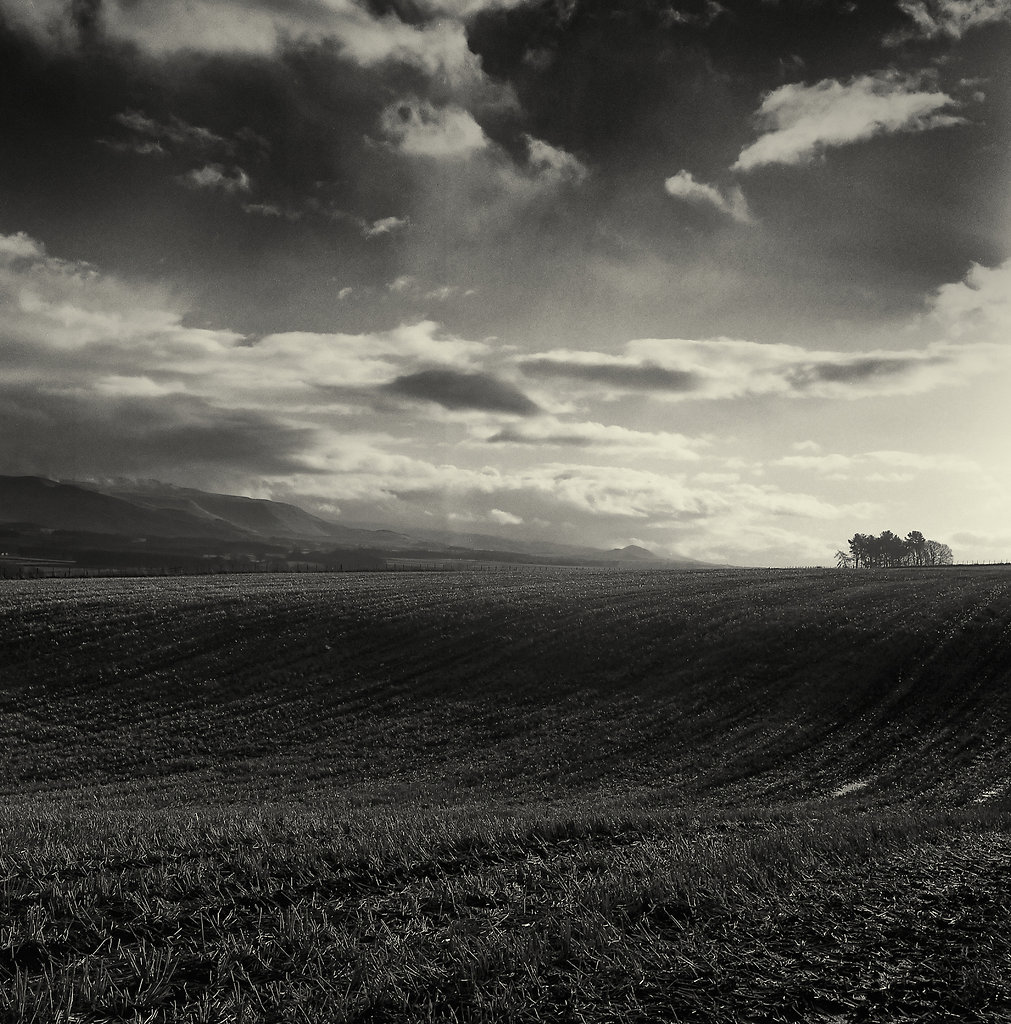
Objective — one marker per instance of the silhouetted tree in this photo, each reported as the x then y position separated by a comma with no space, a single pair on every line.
916,545
860,549
936,553
888,550
891,549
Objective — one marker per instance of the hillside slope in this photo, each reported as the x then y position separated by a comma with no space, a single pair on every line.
725,686
57,506
127,512
257,516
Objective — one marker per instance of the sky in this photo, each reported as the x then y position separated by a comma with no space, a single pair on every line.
729,280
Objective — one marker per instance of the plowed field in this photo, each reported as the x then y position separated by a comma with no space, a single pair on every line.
521,795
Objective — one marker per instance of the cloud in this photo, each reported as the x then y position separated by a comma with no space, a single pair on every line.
619,373
997,546
551,162
467,8
437,45
272,210
418,128
645,494
720,519
71,328
367,228
869,369
867,466
104,376
140,147
802,121
175,131
722,368
63,433
951,18
407,286
20,247
683,186
977,308
454,390
308,360
94,326
489,186
215,177
497,515
549,432
385,226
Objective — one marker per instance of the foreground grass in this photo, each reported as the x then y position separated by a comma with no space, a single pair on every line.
263,916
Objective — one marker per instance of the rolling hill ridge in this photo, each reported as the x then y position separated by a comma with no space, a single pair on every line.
168,518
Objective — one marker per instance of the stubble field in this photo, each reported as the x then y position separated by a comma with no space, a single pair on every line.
533,794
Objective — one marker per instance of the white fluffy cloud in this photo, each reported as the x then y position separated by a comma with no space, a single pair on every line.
684,186
384,226
969,319
551,162
595,491
418,128
977,308
259,27
503,518
802,121
75,326
952,18
19,247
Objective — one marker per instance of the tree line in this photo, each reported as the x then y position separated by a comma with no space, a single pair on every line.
889,550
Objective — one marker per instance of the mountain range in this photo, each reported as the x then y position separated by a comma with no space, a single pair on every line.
164,517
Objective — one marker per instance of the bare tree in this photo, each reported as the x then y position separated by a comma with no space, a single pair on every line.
936,553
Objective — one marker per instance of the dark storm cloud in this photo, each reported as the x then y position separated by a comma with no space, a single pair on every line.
454,390
507,435
602,75
68,433
86,15
644,377
641,92
860,371
80,128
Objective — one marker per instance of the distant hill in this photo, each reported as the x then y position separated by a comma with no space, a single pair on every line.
167,512
573,553
164,517
257,516
31,500
633,553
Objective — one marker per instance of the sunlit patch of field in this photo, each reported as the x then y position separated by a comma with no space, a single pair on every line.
529,794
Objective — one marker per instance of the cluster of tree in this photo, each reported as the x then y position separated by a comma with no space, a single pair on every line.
888,550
